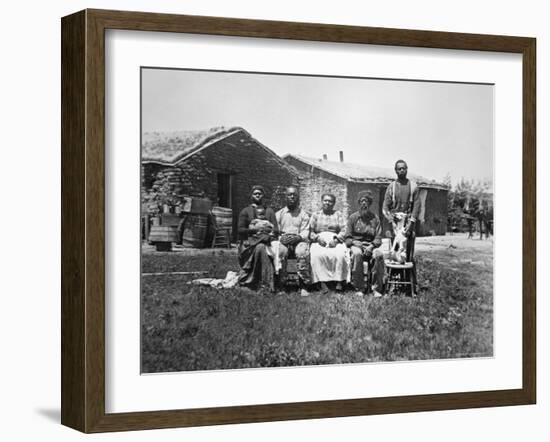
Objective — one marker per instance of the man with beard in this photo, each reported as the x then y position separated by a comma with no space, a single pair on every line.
402,201
364,237
293,225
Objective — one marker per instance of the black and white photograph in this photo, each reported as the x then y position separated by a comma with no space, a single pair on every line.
259,222
303,220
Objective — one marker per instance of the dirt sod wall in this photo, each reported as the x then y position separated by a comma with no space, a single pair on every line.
313,184
240,156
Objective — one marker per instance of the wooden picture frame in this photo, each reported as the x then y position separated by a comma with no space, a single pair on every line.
83,220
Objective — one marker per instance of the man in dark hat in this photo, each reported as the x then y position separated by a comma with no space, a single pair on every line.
363,237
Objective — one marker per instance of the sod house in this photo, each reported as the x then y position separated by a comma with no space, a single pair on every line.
221,164
346,180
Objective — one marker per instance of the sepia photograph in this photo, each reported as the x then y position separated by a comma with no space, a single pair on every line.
303,220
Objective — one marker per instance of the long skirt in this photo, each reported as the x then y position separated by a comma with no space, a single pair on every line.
257,268
329,263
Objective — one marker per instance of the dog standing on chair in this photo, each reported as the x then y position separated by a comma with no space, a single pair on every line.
400,240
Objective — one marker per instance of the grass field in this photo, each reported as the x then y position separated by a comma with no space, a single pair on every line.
188,327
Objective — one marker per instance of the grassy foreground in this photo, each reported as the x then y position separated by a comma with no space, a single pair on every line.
188,327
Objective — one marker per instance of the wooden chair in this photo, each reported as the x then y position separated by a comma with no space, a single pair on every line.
292,272
401,277
367,273
221,237
291,277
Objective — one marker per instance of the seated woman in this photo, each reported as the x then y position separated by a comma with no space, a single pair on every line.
328,254
255,234
364,236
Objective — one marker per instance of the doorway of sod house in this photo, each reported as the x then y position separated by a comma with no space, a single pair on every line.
224,190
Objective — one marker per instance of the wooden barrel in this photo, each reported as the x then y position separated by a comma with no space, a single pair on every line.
194,205
163,234
223,217
194,231
163,237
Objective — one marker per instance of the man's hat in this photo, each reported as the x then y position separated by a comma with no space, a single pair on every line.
365,194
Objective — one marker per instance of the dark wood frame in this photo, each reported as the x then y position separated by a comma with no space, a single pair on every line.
83,217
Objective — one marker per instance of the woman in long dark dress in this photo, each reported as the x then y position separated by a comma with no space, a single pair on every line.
257,267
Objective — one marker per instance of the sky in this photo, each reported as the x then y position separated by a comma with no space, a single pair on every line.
438,128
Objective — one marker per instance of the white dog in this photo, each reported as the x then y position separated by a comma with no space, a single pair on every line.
399,246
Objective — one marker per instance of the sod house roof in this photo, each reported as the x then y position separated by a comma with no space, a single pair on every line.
360,173
173,147
169,148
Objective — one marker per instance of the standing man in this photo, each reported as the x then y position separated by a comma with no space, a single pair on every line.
470,220
294,229
402,199
482,217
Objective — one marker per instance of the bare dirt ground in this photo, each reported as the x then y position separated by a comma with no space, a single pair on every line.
452,250
149,249
457,240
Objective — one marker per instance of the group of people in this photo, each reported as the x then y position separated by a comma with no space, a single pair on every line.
328,248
